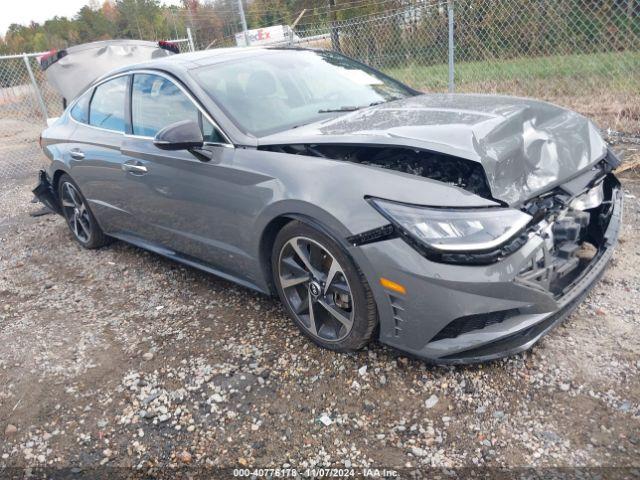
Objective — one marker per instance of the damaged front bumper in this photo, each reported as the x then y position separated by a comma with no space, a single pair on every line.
453,314
45,192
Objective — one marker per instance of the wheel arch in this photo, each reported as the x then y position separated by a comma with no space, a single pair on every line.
270,233
55,179
311,215
282,213
267,239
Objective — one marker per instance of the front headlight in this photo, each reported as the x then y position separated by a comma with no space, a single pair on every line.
455,230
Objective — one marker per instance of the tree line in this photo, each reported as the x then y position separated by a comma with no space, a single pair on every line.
213,22
417,31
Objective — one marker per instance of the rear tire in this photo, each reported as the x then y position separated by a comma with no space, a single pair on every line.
80,220
322,289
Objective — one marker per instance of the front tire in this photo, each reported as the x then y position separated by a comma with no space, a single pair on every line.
80,219
322,289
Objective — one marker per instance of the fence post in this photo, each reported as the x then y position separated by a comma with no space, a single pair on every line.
36,89
451,46
291,34
190,38
335,34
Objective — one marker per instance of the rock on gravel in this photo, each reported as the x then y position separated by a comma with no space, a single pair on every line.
431,401
184,457
419,452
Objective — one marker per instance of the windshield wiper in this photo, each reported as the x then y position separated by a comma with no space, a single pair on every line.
340,109
348,108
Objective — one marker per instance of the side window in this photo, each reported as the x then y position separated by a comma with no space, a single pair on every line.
210,133
80,111
157,102
107,105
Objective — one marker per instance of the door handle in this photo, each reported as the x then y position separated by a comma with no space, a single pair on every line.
134,168
77,154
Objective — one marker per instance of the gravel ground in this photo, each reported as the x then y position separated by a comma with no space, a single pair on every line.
119,357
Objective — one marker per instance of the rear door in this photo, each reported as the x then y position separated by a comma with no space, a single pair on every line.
94,154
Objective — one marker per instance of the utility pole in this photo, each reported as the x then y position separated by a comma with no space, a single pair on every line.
335,35
244,23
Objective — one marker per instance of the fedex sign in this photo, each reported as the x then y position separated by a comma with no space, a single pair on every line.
264,36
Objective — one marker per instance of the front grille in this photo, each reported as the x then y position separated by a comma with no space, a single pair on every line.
469,323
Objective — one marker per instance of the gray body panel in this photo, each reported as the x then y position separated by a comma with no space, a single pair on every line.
525,146
214,214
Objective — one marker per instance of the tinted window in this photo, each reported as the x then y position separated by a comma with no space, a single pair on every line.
80,111
157,102
282,89
107,104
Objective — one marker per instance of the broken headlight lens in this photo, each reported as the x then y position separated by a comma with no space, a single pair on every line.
590,199
455,230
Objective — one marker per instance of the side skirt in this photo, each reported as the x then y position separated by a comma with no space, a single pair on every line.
185,260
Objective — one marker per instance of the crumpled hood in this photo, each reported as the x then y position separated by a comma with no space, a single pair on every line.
525,146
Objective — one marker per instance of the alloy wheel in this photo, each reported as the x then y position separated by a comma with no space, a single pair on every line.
316,289
76,213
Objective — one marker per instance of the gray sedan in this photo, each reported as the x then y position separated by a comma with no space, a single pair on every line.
456,228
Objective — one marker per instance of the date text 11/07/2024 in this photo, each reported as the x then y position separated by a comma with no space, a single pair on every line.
315,472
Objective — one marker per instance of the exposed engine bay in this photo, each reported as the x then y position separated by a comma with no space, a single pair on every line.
573,228
454,171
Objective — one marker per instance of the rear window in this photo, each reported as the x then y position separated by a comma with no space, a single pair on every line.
80,111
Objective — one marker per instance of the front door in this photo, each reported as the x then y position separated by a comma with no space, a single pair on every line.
179,200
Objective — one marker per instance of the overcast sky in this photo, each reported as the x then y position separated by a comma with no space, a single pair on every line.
24,11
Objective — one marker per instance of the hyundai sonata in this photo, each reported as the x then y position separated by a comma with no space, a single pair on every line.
457,228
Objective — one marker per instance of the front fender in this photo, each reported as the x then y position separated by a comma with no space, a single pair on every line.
326,223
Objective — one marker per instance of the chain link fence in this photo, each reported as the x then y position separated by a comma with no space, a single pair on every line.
26,101
582,54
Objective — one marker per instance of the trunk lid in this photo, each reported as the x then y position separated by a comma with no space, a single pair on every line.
72,70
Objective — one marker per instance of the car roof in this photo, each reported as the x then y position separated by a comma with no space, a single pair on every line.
178,65
190,60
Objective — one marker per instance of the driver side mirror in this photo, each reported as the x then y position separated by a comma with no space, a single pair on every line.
183,135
